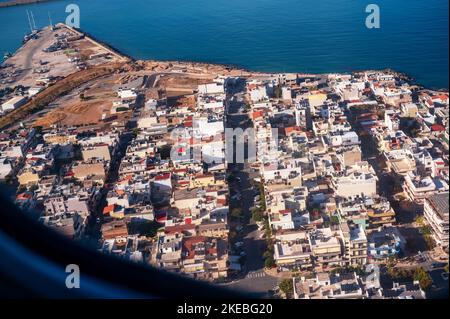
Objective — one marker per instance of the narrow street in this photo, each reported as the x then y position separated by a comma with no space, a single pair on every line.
93,229
253,278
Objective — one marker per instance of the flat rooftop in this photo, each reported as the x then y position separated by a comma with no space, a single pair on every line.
439,202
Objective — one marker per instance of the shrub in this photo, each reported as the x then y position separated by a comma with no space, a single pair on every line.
269,262
423,278
287,286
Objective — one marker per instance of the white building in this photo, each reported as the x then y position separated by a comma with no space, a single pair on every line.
13,103
127,93
211,88
360,180
286,93
33,91
258,93
326,286
436,213
5,167
417,188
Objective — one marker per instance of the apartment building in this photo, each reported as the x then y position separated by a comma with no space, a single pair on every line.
292,250
436,213
326,286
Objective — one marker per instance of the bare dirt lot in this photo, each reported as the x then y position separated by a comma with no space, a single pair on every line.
84,105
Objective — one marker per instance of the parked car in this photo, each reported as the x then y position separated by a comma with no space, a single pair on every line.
238,244
236,197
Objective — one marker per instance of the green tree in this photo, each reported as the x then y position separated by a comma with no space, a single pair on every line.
429,241
423,278
236,213
426,230
232,235
334,220
269,262
420,220
287,286
267,254
257,215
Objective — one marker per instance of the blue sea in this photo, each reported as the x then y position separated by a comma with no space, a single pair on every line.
317,36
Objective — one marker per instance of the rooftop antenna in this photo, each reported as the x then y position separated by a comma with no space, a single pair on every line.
32,18
29,21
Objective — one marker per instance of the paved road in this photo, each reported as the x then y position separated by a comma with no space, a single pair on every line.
440,286
254,279
258,287
31,48
256,274
93,229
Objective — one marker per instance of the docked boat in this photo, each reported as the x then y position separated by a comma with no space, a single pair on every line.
26,38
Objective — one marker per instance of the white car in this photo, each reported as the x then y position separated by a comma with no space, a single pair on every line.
236,197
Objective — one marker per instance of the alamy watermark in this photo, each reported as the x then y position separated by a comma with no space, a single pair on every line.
73,19
195,145
73,277
373,19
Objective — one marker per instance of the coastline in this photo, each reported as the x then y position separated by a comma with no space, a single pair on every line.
226,67
402,75
19,2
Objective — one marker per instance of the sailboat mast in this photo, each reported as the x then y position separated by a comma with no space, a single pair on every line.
32,18
29,22
50,19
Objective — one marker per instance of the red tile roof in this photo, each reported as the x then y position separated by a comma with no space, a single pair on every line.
162,177
108,209
188,245
178,228
437,128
